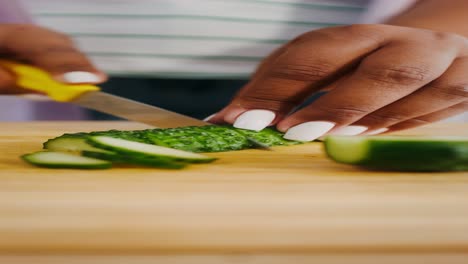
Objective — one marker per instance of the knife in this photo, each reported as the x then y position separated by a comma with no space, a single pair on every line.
90,96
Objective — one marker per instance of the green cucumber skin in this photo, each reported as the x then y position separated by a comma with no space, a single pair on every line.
28,158
136,160
416,156
205,139
199,139
437,156
268,136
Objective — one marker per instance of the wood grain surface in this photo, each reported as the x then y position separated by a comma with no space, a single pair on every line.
291,205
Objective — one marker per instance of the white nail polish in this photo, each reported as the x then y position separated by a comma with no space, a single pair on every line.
256,119
349,131
80,77
206,119
377,131
309,131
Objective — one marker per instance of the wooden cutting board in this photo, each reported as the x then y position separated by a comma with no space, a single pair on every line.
289,201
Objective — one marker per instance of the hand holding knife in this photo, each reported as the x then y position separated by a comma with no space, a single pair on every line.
90,96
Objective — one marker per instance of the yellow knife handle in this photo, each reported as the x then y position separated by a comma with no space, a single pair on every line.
33,78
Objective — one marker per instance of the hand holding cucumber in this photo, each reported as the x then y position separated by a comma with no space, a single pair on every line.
379,77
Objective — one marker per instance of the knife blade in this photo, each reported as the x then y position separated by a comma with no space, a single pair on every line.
134,111
90,96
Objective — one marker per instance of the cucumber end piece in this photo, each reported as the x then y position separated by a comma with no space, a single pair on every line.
346,149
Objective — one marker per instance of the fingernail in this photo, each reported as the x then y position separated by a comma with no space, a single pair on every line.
80,77
349,131
309,131
377,131
256,119
209,117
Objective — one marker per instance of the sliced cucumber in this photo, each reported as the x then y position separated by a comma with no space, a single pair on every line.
161,162
75,144
52,159
146,151
400,153
267,136
209,138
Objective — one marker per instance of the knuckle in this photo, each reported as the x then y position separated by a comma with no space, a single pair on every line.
418,121
252,101
19,28
365,31
30,41
342,113
64,37
7,84
396,75
304,37
358,28
447,42
446,36
463,106
385,118
53,48
452,91
67,66
303,71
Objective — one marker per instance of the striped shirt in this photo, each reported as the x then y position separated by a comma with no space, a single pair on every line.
188,38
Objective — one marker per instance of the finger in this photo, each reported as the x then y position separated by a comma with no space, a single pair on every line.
308,64
49,50
449,89
7,82
432,117
383,77
219,117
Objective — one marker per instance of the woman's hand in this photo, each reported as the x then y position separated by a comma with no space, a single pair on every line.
46,49
379,78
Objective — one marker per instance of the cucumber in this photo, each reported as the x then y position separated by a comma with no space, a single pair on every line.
209,138
199,139
52,159
268,137
70,143
145,151
78,145
400,153
165,163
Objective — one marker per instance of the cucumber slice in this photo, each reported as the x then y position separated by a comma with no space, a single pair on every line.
400,153
132,135
267,136
162,162
52,159
143,150
73,144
